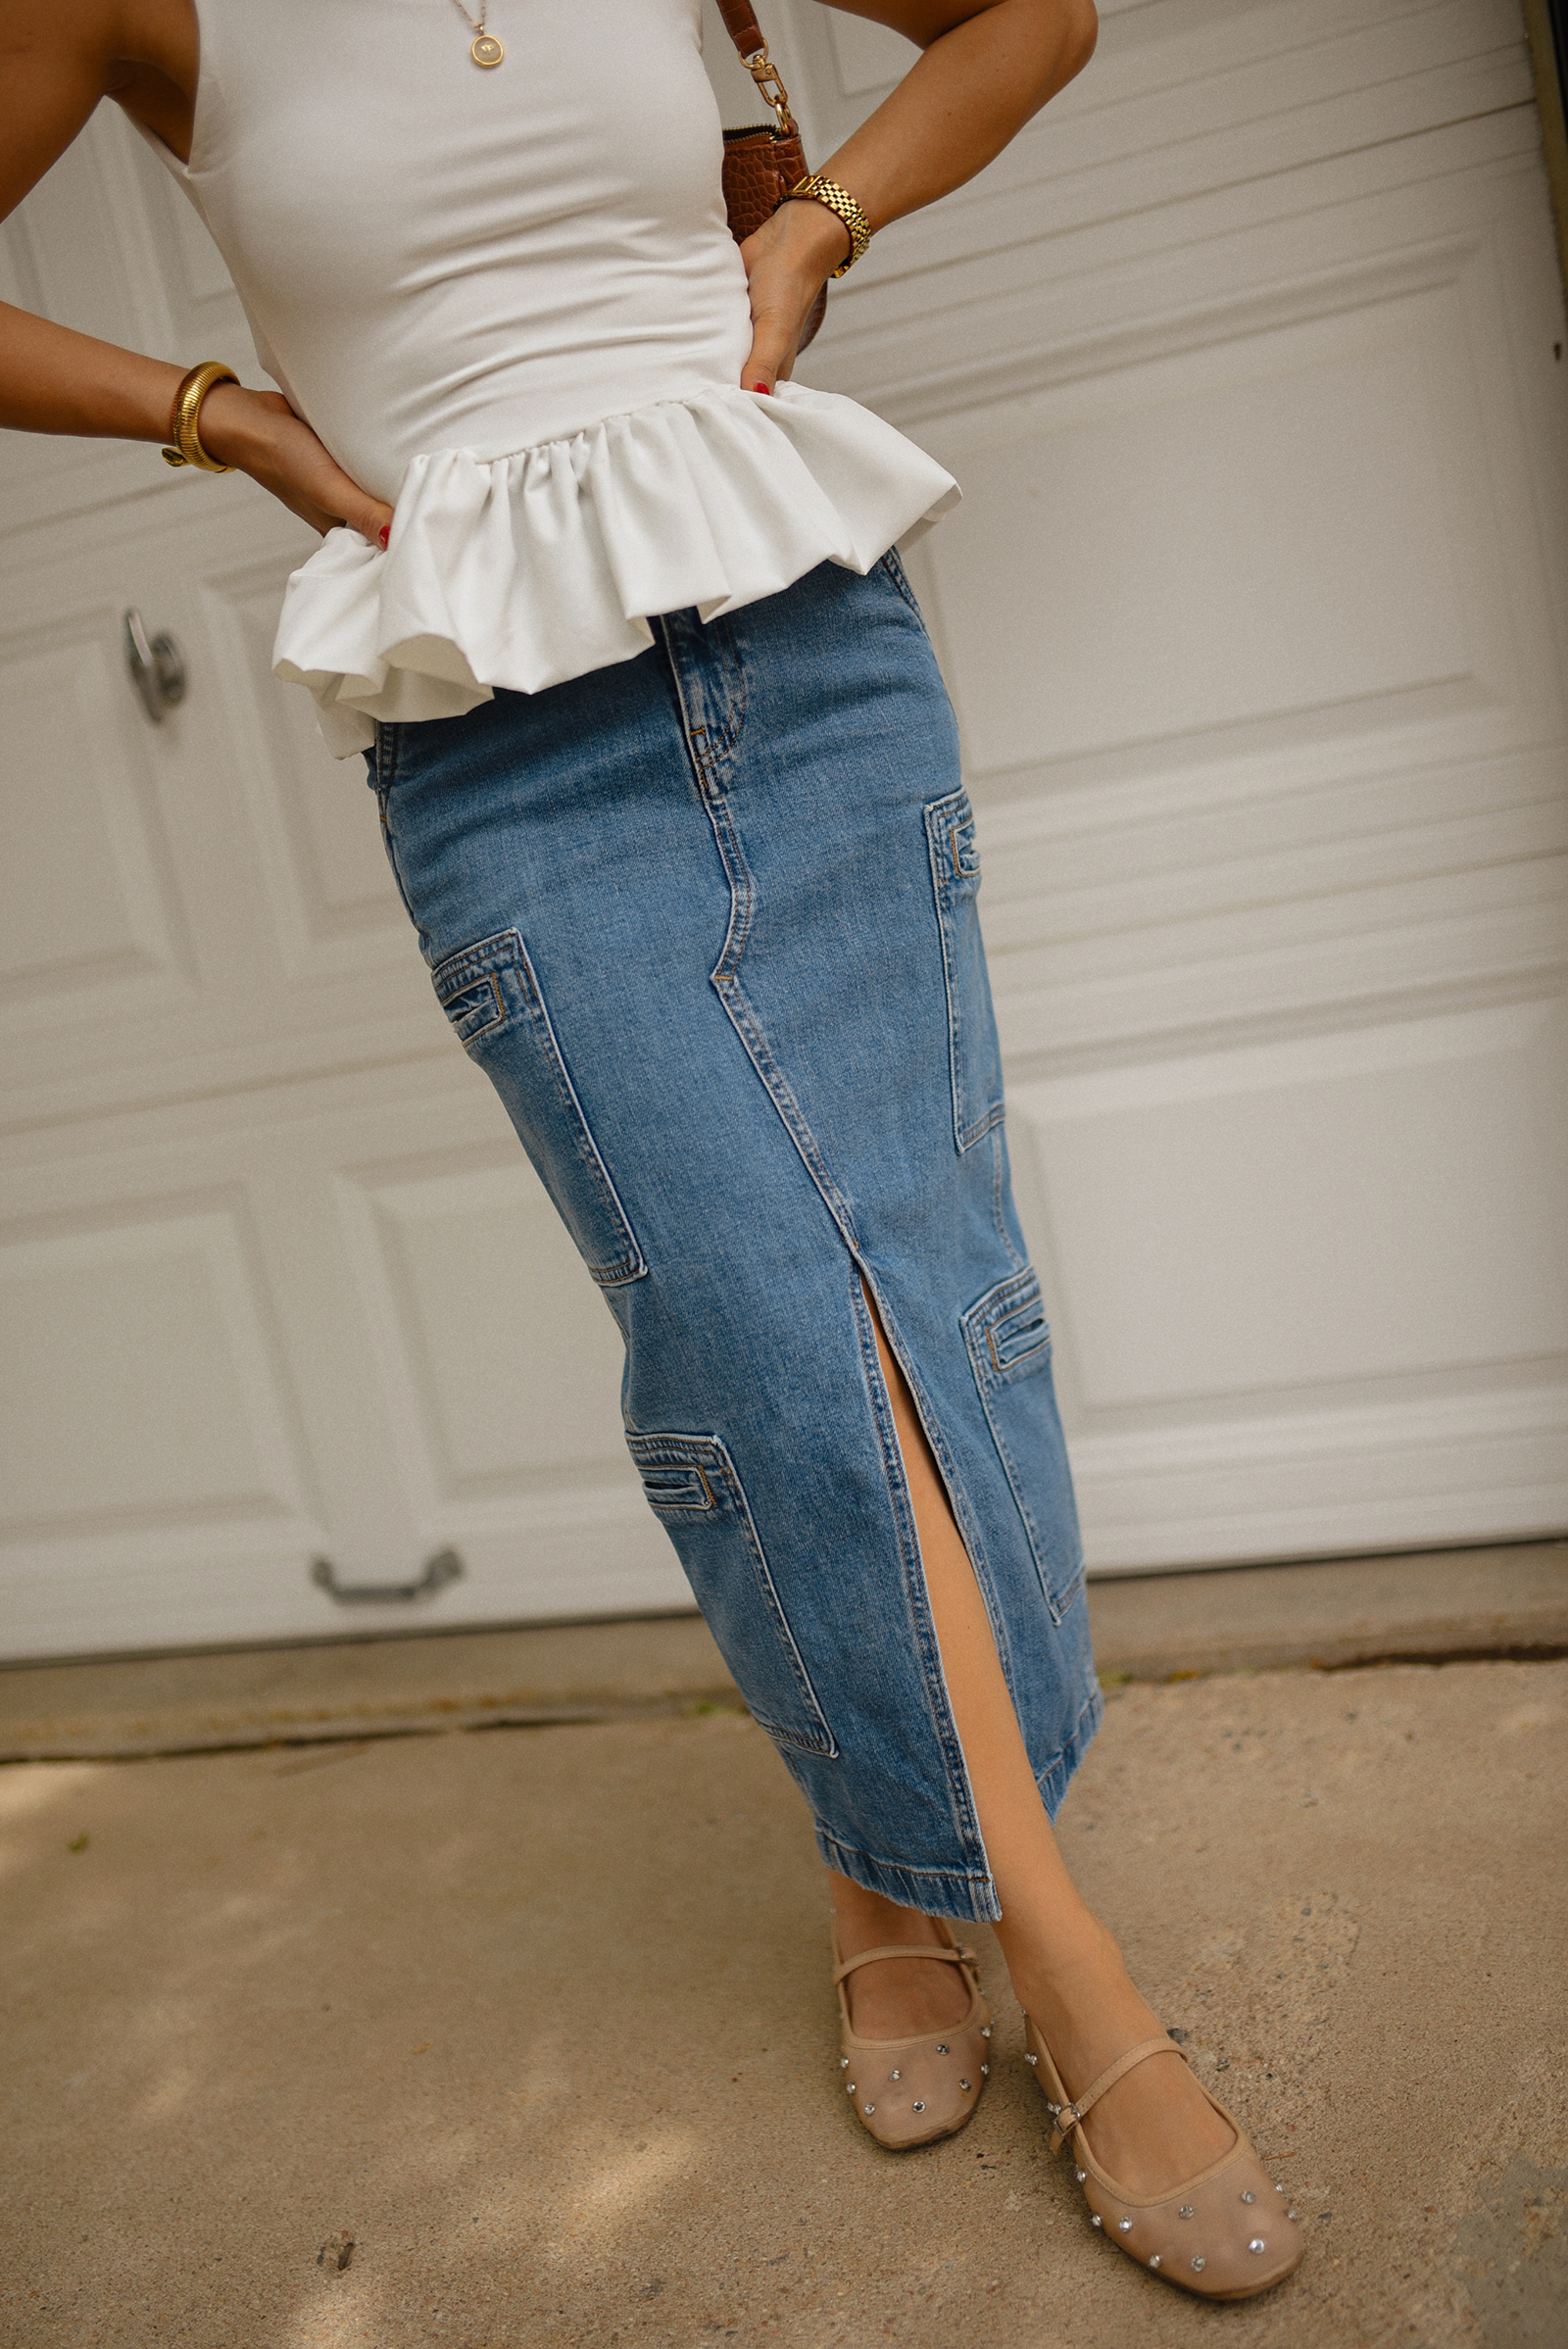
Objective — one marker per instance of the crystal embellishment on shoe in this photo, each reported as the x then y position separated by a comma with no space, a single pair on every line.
1232,2265
927,2097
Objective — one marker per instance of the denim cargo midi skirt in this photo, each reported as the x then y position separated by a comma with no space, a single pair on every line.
707,919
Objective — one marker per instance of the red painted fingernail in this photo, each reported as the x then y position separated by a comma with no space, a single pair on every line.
383,534
762,387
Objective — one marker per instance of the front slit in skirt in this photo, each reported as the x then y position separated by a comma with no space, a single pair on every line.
707,919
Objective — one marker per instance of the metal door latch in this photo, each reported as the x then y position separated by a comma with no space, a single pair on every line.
444,1567
157,667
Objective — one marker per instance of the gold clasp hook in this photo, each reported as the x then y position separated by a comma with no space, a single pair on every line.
765,74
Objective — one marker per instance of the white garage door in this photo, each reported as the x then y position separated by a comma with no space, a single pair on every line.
1253,614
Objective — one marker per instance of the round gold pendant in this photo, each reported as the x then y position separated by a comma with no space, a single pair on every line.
487,50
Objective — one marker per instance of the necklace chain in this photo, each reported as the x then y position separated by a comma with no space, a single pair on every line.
475,24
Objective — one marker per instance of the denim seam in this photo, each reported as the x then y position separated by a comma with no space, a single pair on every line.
713,1455
742,908
743,1017
383,797
742,894
893,564
964,1876
957,1497
721,634
745,1022
708,747
386,755
973,1897
998,1188
977,1323
936,814
1064,1765
506,951
961,1794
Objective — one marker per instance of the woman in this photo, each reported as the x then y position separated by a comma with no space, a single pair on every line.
669,783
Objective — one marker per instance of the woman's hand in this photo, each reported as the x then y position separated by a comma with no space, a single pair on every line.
258,433
787,261
985,68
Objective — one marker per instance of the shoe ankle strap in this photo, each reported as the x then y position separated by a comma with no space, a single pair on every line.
1067,2116
923,1949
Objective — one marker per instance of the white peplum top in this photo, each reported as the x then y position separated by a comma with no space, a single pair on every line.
509,302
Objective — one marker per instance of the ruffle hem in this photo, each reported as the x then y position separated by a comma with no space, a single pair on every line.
525,571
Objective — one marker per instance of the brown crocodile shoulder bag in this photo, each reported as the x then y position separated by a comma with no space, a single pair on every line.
765,159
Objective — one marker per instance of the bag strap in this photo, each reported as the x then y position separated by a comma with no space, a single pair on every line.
750,43
740,23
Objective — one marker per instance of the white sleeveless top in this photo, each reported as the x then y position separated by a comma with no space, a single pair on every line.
509,302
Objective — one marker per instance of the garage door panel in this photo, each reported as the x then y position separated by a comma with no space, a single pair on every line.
500,1353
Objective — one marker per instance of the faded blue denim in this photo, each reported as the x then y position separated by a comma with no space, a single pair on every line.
707,921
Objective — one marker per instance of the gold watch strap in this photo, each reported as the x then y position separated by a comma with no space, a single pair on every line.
185,416
817,188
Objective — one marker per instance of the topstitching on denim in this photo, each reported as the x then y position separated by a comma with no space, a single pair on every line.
386,760
710,680
489,987
893,564
1008,1340
974,1059
576,857
999,1194
966,1817
691,1483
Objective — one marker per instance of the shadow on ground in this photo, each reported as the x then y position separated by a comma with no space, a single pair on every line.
525,2037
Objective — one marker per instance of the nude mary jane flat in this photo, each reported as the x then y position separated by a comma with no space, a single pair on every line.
1225,2235
911,2091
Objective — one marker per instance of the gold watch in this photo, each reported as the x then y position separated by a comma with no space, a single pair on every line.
185,416
817,188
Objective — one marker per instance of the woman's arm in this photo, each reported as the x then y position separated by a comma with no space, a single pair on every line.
55,67
986,65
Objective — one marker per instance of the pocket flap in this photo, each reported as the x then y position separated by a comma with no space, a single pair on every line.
678,1489
1008,1332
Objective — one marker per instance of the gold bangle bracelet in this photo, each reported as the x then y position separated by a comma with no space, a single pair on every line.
817,188
185,416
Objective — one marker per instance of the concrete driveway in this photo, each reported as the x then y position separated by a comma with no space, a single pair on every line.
525,2037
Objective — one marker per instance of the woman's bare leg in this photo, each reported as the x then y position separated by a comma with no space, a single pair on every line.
1153,2129
895,1998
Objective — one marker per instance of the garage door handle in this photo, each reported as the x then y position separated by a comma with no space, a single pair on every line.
157,667
444,1567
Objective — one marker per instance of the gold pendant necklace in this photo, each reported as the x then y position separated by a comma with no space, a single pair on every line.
485,48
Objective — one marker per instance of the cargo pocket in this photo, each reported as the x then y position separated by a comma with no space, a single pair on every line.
491,997
1009,1349
972,1046
692,1487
